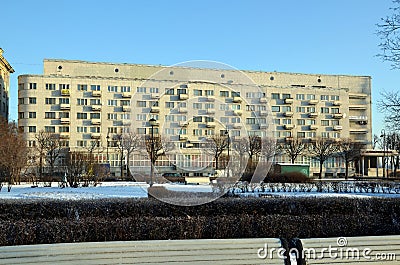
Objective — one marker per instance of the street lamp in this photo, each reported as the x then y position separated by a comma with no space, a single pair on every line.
152,123
227,165
384,151
108,138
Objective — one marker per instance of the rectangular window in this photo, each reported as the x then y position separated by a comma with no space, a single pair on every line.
301,135
310,96
277,121
208,105
197,119
125,102
235,94
112,89
125,89
63,115
32,85
275,109
141,90
63,86
325,97
95,101
32,129
197,132
325,122
300,96
50,86
334,97
82,101
141,104
310,109
286,108
224,94
169,91
112,116
286,121
81,143
49,115
197,92
95,87
21,101
32,100
63,100
250,120
125,116
335,110
169,105
181,91
275,96
250,108
21,115
94,115
197,106
209,92
32,115
310,122
81,115
334,122
154,90
301,122
112,102
82,87
325,134
324,110
81,129
50,129
284,96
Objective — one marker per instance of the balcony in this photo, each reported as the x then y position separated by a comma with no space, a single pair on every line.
155,109
313,102
183,96
183,110
126,122
289,139
211,98
128,108
65,120
263,100
238,112
313,127
126,95
96,93
65,92
95,135
210,124
336,103
64,135
358,107
96,121
288,126
189,145
263,126
96,107
358,118
210,111
358,131
64,106
237,99
183,123
183,137
263,113
357,95
337,127
288,101
337,115
288,114
237,125
313,115
155,96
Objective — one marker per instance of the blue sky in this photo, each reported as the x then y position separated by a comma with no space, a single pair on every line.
309,36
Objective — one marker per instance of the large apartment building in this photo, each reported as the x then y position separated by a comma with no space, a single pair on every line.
5,71
92,102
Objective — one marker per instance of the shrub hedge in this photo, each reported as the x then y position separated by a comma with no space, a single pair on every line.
51,221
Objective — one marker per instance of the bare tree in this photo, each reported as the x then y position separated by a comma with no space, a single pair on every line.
215,146
293,148
388,31
393,143
90,174
350,151
389,104
53,154
41,149
320,150
13,152
76,164
128,143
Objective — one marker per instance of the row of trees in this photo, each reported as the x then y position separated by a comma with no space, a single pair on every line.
254,148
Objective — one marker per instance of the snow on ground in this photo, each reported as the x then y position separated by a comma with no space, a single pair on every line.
139,190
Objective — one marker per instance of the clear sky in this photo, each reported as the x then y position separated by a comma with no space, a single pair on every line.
309,36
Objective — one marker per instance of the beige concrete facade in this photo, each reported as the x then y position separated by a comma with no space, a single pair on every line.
5,71
86,101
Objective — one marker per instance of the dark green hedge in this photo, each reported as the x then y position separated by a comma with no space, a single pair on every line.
36,222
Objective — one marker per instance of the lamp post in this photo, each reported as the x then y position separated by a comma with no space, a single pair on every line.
227,165
108,137
383,134
152,123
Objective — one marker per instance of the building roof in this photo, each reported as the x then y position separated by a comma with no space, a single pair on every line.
5,62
